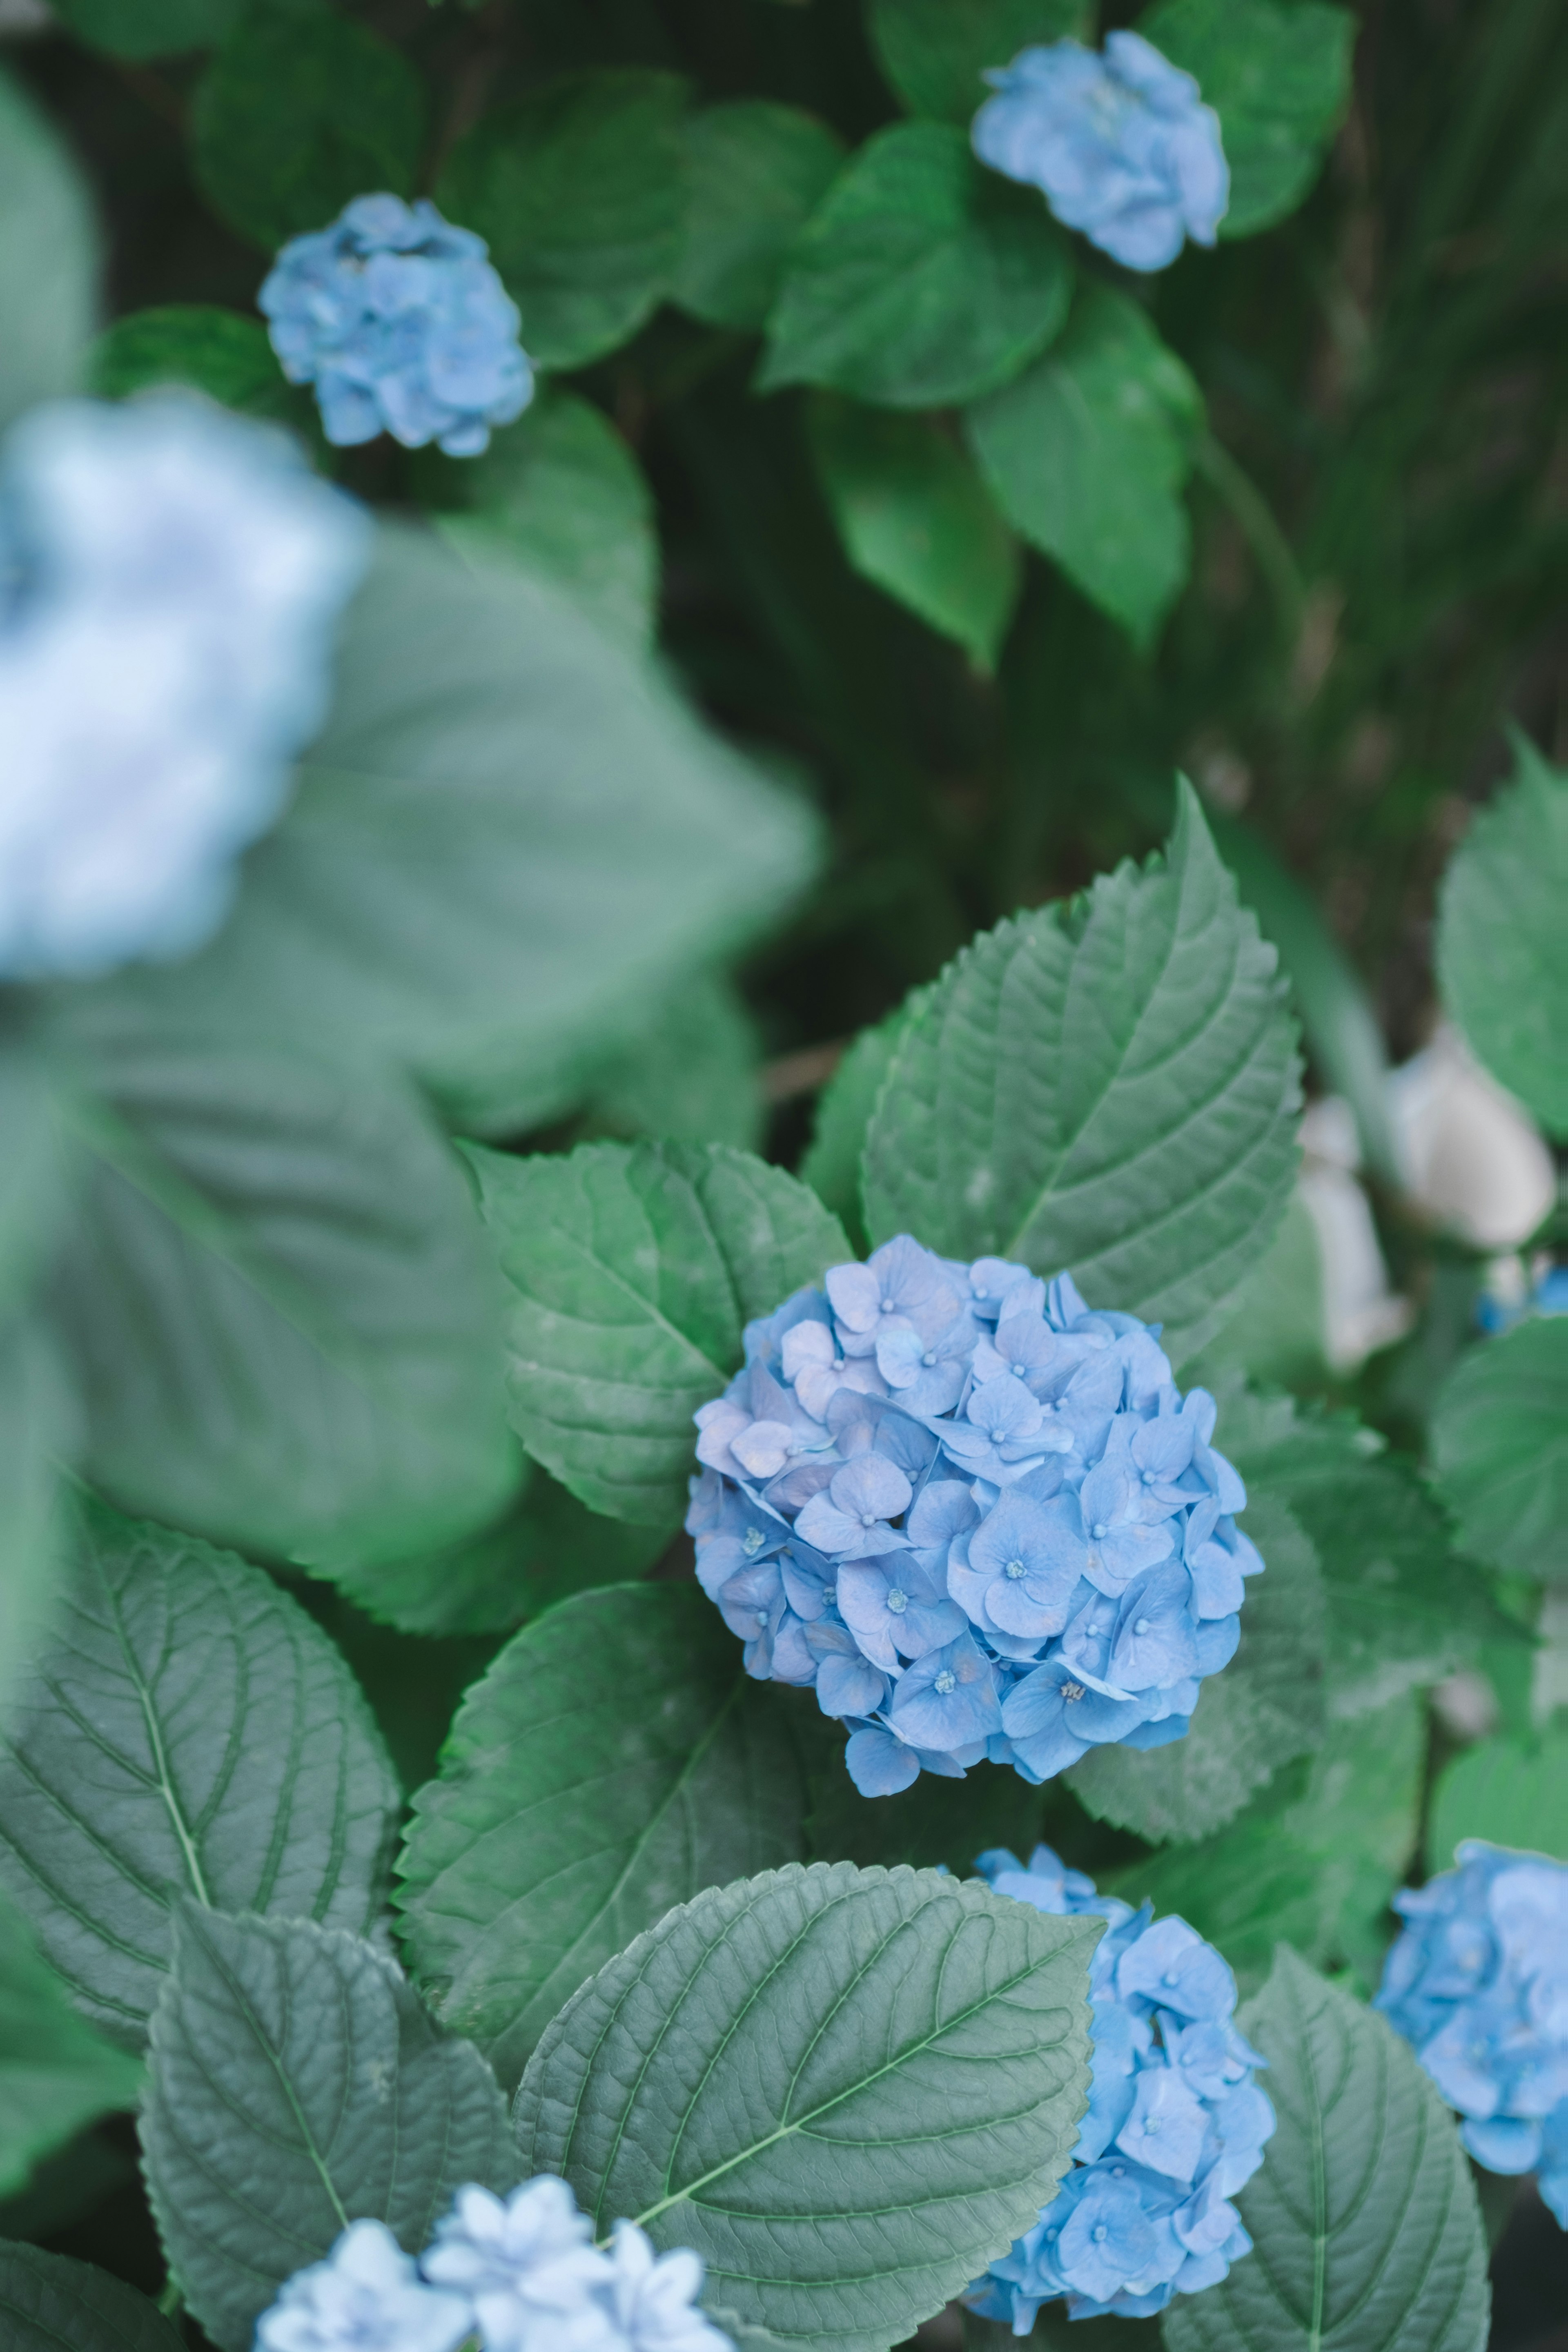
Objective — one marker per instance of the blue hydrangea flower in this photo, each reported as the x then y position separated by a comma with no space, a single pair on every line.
402,325
367,2297
169,576
1477,1983
976,1517
1175,2122
1121,143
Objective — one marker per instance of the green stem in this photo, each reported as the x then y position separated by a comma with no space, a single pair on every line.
171,2301
1271,548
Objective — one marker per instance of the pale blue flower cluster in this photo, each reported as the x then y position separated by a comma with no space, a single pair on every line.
169,576
976,1517
1175,2122
402,325
1120,143
513,2275
1477,1983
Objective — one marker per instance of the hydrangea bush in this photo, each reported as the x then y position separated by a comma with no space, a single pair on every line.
658,676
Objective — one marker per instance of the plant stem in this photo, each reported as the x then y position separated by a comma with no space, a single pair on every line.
1271,549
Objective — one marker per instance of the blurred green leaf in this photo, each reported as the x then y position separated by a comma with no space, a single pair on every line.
1264,1709
56,2073
659,1768
1086,454
274,1294
1500,956
149,28
1278,74
579,190
754,173
915,517
1275,1333
1499,1447
1510,1791
630,1272
832,1163
39,1430
48,260
220,352
922,280
1108,1085
48,2300
299,111
934,52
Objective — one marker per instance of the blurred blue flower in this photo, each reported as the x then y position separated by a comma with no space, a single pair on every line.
1120,145
976,1515
367,2297
1176,2123
402,325
170,579
1477,1983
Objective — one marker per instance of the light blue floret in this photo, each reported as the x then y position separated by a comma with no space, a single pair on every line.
1477,1983
402,325
978,1519
1176,2123
1121,143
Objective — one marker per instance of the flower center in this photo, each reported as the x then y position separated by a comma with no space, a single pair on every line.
946,1680
867,1519
1141,1625
1015,1569
1099,1531
1100,2233
897,1601
752,1540
1071,1691
1018,1370
887,1307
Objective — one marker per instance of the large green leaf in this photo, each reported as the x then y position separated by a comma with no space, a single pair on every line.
754,173
560,494
1500,945
50,2304
935,52
56,2073
509,834
922,280
48,311
149,28
1506,1791
580,190
630,1271
1365,2230
1264,1709
832,1163
296,2085
230,1757
220,352
299,111
1499,1447
1276,1332
555,1834
1108,1086
37,1430
1086,454
849,2090
915,517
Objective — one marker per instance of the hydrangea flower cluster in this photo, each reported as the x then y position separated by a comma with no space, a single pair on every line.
1175,2122
1121,143
976,1517
1477,1983
402,325
517,2275
169,580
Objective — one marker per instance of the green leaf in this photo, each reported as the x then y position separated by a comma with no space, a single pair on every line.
49,2300
1264,1709
1506,1791
553,1835
580,191
1499,1447
692,1077
274,1294
38,1429
1364,2219
1278,76
630,1272
543,1548
297,2085
936,1822
934,52
1086,454
231,1758
220,352
849,2090
754,173
915,517
1499,950
922,280
832,1163
149,28
559,495
49,312
508,835
56,2073
1275,1331
1108,1085
299,111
